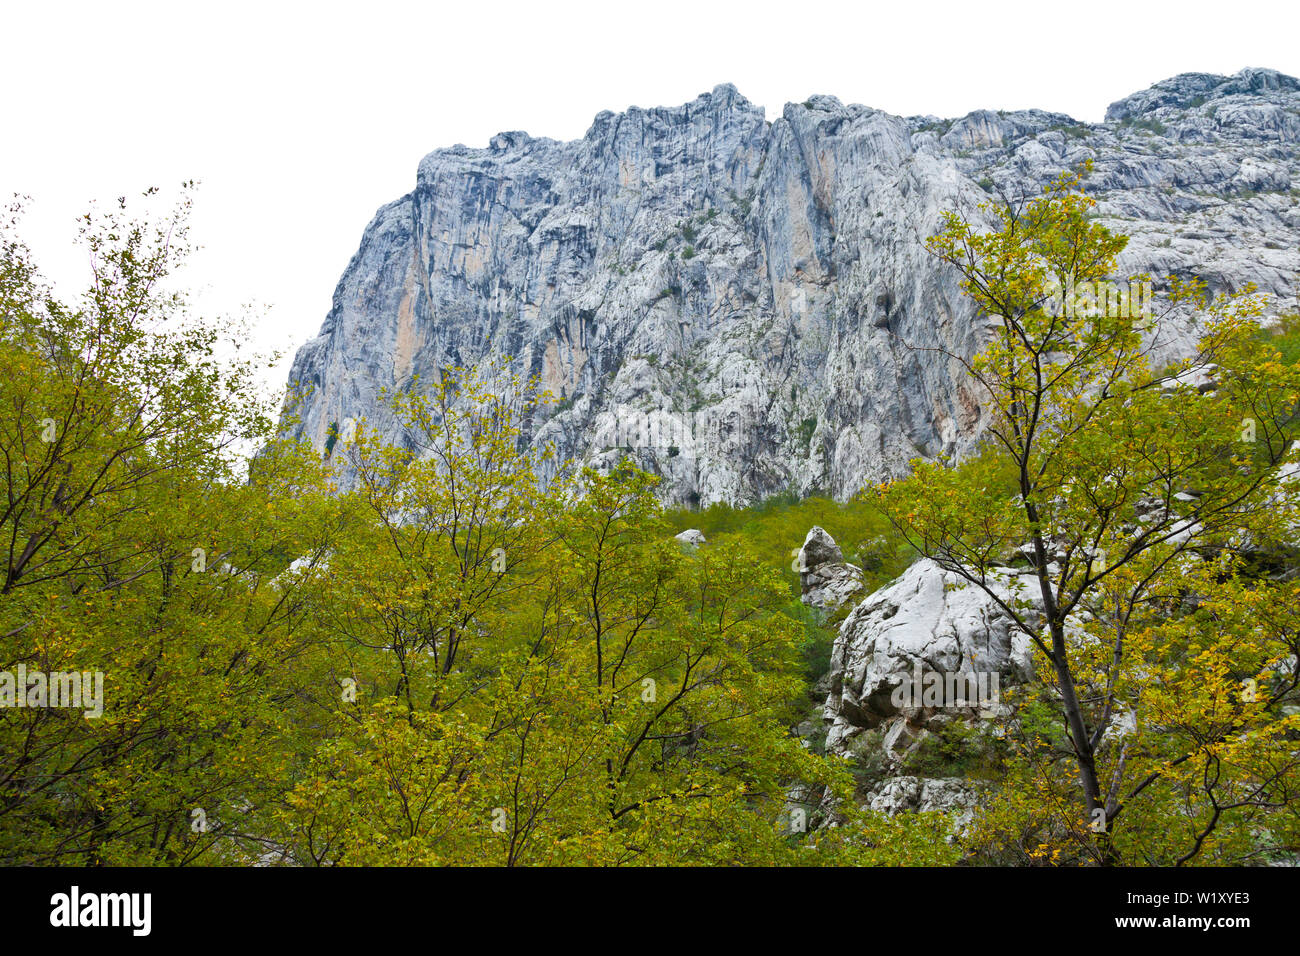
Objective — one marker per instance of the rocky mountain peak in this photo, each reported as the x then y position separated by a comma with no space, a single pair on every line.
1193,90
745,307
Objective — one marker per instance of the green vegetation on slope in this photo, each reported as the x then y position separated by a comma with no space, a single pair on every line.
452,664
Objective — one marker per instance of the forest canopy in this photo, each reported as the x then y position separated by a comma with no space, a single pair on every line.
448,661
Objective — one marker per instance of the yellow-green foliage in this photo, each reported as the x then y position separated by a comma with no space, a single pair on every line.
459,667
463,666
776,528
1167,669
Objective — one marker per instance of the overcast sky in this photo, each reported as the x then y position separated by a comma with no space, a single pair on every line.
300,120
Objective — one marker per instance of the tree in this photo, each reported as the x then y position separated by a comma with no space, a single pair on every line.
441,529
1131,493
135,548
593,694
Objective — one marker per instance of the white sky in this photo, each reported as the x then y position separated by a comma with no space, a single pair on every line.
300,120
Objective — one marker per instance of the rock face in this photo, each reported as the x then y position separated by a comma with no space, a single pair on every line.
692,537
911,660
927,629
747,306
827,582
944,794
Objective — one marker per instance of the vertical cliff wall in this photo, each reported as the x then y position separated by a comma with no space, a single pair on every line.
747,306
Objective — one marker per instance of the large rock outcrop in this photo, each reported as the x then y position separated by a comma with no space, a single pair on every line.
747,306
827,582
926,622
925,653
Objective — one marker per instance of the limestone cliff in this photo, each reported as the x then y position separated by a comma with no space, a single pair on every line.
748,305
